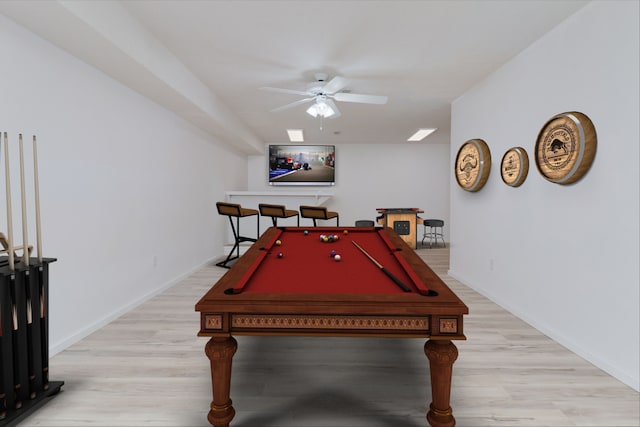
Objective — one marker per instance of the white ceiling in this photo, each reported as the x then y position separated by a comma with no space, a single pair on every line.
206,60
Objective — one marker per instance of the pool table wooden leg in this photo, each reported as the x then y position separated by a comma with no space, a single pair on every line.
441,355
220,351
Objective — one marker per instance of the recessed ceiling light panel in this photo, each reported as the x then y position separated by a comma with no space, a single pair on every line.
295,135
421,134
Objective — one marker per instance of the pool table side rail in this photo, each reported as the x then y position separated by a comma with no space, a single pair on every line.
445,327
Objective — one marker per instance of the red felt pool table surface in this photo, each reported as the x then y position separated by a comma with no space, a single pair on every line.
306,264
307,280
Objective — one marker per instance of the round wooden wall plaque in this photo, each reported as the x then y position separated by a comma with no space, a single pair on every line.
473,164
515,166
566,147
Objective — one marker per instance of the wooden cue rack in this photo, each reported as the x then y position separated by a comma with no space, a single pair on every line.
24,340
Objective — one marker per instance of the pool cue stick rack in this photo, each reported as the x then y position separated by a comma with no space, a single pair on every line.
24,311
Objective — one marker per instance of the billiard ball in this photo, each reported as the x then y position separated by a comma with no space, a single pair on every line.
335,237
333,253
325,239
346,232
306,232
337,257
280,255
278,242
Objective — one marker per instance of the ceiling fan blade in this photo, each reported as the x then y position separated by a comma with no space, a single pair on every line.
336,112
363,99
336,84
291,105
289,91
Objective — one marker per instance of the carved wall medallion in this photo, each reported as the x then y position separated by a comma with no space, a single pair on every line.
473,164
514,166
565,147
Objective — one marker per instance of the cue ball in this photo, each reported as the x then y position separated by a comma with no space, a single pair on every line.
337,257
278,242
280,255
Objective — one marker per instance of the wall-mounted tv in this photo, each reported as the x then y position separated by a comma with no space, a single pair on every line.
302,165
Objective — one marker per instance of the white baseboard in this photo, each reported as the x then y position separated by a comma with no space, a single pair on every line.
57,347
566,342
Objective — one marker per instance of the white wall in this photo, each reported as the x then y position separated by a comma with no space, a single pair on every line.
563,258
123,182
375,176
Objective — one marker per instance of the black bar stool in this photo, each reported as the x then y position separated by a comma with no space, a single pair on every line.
318,212
277,211
237,211
432,233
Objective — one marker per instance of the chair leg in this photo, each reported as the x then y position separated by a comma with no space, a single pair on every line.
236,245
431,236
237,240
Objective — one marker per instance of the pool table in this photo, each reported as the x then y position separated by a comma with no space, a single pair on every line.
290,283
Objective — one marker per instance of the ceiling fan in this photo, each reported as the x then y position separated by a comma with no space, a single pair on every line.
323,94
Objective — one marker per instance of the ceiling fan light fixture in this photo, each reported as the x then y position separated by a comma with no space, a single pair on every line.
421,134
321,109
295,135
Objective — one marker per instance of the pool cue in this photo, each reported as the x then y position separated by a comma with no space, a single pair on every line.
12,277
36,185
44,346
27,281
8,195
3,392
384,270
23,199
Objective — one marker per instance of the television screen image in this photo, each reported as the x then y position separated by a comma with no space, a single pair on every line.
302,164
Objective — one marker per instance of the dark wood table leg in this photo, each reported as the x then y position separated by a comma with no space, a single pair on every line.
220,352
441,355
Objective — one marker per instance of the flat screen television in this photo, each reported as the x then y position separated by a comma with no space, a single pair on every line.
302,165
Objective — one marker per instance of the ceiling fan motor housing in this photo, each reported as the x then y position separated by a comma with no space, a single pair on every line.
316,87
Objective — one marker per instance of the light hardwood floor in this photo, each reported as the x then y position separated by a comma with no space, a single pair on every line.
148,368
